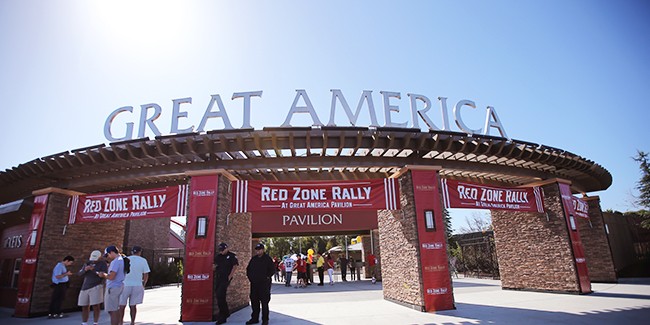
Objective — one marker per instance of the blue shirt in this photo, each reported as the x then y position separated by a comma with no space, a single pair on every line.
58,270
117,266
138,267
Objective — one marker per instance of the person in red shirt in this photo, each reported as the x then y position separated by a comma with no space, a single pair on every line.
301,265
371,262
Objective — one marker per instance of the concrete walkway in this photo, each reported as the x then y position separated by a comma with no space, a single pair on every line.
478,301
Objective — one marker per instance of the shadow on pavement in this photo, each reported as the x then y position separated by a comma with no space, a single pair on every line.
483,314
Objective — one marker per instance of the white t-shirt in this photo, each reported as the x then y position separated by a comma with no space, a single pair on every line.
139,266
288,264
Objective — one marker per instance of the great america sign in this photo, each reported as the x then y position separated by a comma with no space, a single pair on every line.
420,105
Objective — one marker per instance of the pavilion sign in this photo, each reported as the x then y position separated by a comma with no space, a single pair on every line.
420,105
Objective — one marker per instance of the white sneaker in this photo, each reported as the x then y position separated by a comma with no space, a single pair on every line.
374,280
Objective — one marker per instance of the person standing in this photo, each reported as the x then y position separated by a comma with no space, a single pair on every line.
329,264
371,262
319,265
259,272
114,283
310,275
353,267
343,263
225,264
301,267
60,284
134,282
92,291
288,269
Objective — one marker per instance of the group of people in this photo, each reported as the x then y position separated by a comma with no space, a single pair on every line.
125,278
302,265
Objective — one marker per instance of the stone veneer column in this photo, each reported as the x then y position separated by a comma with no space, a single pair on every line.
152,233
398,236
533,249
235,230
596,244
416,272
60,239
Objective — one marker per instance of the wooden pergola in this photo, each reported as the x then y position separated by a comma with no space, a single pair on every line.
300,154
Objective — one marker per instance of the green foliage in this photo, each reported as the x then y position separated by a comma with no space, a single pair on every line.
280,246
643,185
163,273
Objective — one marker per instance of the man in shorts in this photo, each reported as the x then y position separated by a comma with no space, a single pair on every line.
134,283
114,283
92,291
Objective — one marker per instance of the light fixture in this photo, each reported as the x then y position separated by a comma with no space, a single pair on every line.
201,226
429,221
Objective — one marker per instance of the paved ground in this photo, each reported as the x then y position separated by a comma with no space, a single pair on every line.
478,301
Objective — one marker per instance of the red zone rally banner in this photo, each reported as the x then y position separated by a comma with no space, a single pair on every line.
457,194
580,207
373,194
152,203
28,268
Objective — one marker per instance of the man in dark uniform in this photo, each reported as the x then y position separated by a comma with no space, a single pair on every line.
259,271
225,264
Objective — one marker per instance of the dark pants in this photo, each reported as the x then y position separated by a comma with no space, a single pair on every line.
344,271
352,274
310,276
260,295
321,276
222,303
57,297
287,280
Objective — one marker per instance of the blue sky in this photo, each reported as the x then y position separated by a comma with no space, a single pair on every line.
568,74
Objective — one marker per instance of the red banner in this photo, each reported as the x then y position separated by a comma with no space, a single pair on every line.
152,203
580,207
574,236
457,194
374,194
28,267
196,305
279,222
436,281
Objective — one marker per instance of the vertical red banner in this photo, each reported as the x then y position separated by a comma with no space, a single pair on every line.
576,244
196,305
438,292
30,259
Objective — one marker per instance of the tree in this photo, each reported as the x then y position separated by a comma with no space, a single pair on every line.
643,185
477,222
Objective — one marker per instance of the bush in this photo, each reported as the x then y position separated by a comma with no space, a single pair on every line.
163,273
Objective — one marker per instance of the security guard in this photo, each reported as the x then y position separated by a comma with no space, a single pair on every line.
259,271
225,264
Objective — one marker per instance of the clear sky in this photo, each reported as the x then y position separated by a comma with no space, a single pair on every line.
569,74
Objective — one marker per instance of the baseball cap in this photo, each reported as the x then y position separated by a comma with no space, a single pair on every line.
109,249
223,247
259,246
95,255
136,249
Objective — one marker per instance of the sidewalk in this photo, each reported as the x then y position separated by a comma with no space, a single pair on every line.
478,301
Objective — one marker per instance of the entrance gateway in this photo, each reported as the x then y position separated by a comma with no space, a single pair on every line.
234,184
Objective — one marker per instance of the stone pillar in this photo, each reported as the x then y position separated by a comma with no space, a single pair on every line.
61,239
534,249
596,244
405,239
150,234
234,229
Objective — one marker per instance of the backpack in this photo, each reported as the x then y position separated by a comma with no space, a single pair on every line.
127,265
